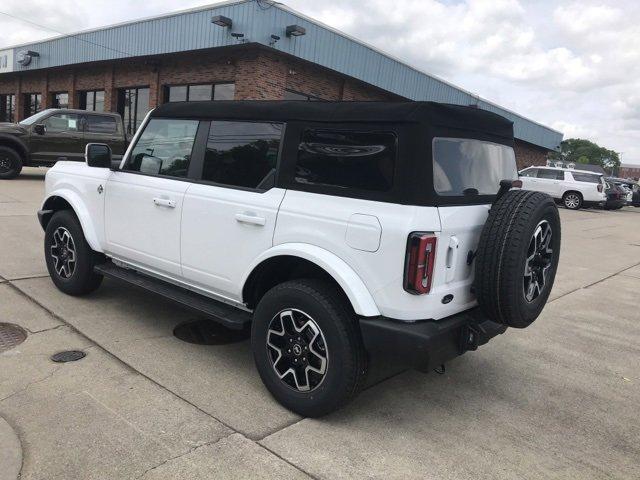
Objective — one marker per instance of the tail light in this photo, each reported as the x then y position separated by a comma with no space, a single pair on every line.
421,253
600,188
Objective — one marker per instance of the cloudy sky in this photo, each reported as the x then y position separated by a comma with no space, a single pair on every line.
572,65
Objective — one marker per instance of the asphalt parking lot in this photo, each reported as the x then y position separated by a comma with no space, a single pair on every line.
557,400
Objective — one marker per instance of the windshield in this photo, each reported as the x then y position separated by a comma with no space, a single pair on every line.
35,118
465,167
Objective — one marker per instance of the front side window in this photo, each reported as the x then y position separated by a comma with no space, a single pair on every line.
164,148
242,154
466,167
529,172
62,122
360,160
101,124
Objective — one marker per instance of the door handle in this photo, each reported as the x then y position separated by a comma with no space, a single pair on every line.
164,202
250,219
452,258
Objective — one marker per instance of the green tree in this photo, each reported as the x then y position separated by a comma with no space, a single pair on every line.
578,150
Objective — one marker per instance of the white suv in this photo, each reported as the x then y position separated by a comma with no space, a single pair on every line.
575,188
335,231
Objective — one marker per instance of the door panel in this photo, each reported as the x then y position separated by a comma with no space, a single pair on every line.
62,139
142,220
223,231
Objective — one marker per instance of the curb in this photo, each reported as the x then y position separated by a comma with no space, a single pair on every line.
10,453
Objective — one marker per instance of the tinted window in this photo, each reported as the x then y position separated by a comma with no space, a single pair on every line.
347,159
62,122
194,93
242,154
133,105
60,100
92,100
586,177
100,124
164,148
550,174
464,167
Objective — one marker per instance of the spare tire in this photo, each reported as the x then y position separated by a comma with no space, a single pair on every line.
517,257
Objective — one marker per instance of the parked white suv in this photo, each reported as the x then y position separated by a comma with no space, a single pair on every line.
575,188
335,231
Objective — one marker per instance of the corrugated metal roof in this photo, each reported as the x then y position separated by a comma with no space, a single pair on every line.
192,30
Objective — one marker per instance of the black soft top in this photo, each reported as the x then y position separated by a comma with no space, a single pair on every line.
431,113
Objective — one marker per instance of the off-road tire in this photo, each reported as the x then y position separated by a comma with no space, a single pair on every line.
346,361
572,200
502,255
10,156
83,279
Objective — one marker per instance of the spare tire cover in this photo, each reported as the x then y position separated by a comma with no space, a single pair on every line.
517,257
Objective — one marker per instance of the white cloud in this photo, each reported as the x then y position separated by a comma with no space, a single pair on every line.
573,65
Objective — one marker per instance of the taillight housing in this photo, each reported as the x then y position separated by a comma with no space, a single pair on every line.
600,187
419,262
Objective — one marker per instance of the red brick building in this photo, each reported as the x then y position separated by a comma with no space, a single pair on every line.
236,50
629,171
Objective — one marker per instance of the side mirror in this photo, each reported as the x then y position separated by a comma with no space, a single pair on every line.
98,155
40,129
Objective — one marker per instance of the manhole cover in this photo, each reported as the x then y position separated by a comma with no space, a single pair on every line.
68,356
208,332
10,336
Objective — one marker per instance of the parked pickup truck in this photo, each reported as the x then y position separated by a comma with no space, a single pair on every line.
57,134
337,231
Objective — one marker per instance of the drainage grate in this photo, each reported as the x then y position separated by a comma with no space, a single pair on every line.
208,332
10,336
68,356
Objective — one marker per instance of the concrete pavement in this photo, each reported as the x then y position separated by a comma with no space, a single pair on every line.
557,400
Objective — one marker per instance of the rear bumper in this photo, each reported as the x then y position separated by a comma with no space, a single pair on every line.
428,343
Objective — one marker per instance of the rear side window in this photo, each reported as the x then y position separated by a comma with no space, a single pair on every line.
347,159
242,154
551,174
101,124
465,167
164,148
586,177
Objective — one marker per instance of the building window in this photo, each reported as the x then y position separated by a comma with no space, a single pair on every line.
92,100
242,154
32,103
60,100
7,108
133,105
362,160
194,93
293,95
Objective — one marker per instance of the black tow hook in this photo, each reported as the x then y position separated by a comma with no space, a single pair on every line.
469,338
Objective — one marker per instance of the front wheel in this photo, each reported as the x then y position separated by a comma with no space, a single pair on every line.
572,200
70,259
307,347
10,163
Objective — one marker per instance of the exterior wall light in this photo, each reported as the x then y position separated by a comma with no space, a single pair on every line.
295,31
222,21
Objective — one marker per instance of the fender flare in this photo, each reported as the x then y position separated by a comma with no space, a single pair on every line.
16,142
73,199
361,299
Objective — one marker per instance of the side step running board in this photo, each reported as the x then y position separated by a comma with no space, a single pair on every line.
222,313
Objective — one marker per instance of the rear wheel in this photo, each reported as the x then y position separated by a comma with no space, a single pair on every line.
307,347
10,163
70,259
517,257
572,200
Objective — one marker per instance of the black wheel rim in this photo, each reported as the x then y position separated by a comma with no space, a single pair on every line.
5,164
539,261
297,350
63,253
